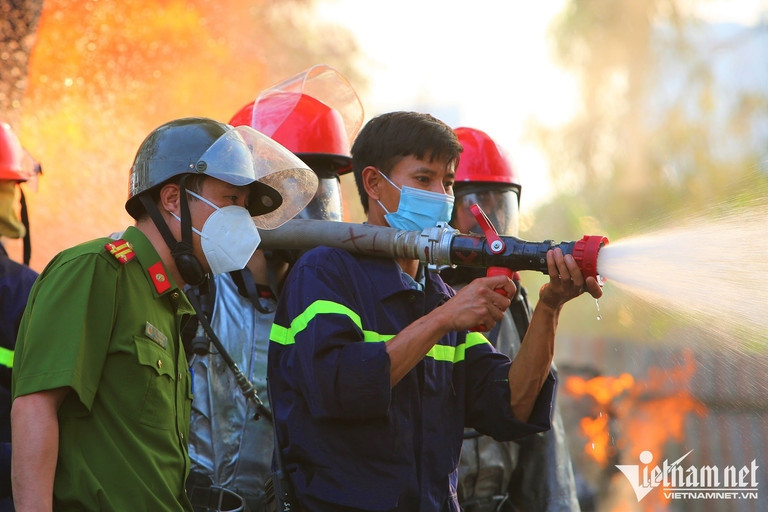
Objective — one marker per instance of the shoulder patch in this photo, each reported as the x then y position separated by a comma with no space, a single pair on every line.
159,278
121,250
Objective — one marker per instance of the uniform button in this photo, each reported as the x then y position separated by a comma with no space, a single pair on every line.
412,298
182,436
159,363
179,375
175,295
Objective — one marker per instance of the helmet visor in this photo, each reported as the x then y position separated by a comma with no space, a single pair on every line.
281,184
326,205
500,205
321,82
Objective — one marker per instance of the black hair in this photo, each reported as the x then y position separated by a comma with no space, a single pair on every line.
388,138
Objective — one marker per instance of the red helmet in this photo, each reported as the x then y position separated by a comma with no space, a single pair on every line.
315,114
485,177
15,162
482,160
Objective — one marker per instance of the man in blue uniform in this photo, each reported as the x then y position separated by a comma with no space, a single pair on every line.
16,279
373,369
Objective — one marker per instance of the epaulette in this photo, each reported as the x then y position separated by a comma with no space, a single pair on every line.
159,278
121,250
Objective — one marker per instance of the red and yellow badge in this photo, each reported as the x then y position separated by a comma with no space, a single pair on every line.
159,277
121,250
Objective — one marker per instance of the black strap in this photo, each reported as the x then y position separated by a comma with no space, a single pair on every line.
162,227
186,217
186,263
248,288
25,221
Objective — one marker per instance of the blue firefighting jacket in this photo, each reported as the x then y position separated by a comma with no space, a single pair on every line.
15,282
347,438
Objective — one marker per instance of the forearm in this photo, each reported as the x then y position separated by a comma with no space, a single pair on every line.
532,363
35,427
411,344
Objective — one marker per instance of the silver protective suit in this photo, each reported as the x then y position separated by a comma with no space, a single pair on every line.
534,473
226,442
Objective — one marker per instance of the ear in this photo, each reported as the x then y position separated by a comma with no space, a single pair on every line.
170,197
371,182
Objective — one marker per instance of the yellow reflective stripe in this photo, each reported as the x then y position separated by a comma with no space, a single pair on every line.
375,337
457,353
6,357
476,338
443,353
279,334
287,335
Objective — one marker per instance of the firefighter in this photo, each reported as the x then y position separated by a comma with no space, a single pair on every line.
16,280
101,387
372,369
229,449
535,472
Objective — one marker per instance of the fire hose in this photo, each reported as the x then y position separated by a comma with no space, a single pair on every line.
437,247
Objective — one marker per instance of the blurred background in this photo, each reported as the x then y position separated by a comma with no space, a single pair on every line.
633,119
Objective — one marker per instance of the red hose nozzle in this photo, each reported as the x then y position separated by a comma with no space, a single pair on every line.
585,253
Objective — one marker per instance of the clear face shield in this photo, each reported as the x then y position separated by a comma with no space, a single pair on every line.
326,205
321,82
500,204
281,184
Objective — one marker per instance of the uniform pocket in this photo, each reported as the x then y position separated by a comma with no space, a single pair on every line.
157,367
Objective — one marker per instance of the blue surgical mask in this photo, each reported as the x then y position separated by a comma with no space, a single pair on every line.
418,209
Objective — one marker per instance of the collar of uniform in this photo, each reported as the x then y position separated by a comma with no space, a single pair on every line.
154,268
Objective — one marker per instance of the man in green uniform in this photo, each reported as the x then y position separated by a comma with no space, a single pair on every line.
101,388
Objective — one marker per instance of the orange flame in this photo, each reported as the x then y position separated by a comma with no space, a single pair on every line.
602,389
651,412
104,73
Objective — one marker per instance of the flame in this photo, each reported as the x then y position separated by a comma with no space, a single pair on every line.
602,389
651,412
596,430
104,73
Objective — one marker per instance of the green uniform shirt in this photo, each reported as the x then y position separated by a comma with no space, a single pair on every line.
110,331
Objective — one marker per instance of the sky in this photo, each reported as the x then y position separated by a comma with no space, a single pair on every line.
487,64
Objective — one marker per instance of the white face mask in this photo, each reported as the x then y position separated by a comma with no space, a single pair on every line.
229,237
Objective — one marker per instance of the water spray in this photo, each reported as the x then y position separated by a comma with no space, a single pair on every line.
437,247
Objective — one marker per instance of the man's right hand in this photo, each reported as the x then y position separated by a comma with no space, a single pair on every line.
479,303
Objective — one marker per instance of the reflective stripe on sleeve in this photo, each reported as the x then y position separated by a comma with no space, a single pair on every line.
287,335
6,357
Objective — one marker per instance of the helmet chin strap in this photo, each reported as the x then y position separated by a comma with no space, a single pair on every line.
189,266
